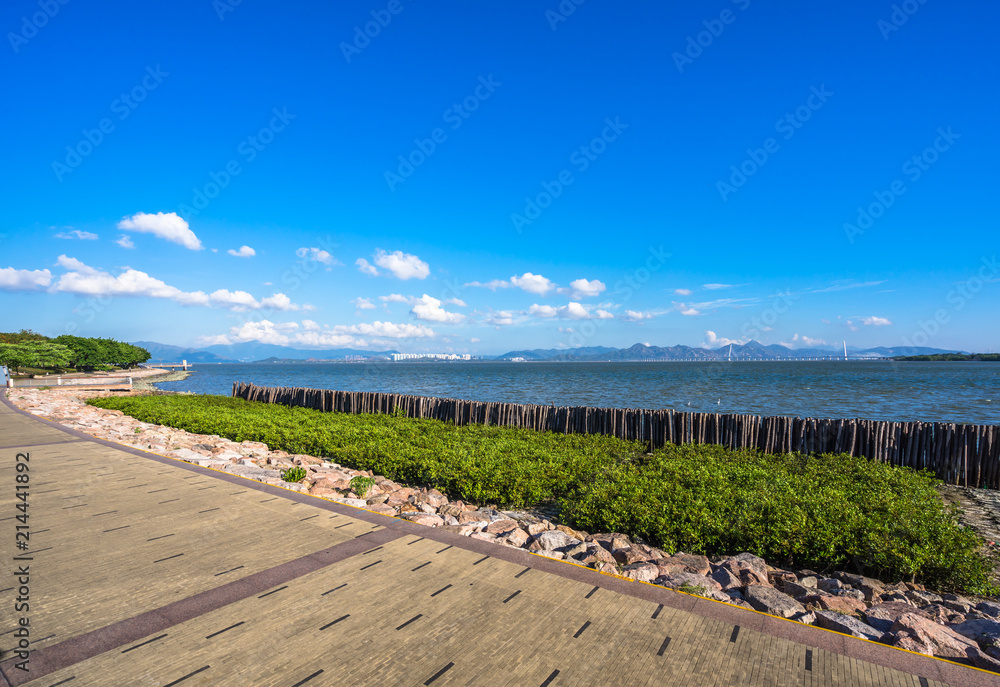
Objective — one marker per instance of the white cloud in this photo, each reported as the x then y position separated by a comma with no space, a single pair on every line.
165,225
875,321
310,325
429,308
83,279
532,283
685,309
216,340
397,298
125,241
500,318
636,316
570,311
683,292
366,267
474,340
802,342
243,252
77,234
388,330
713,341
581,288
363,304
24,280
456,302
402,265
716,287
543,310
317,255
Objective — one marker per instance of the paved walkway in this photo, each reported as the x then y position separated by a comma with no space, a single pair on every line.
145,570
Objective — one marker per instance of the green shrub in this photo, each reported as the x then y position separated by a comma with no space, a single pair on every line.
296,474
822,512
360,485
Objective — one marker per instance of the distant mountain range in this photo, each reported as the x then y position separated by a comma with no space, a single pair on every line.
752,350
259,352
247,353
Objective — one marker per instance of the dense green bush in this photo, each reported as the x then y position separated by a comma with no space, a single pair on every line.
824,512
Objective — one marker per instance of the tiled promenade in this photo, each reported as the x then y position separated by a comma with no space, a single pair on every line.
149,571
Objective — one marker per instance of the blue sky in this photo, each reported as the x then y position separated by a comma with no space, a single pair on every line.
485,176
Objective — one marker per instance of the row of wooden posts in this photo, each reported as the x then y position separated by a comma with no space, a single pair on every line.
956,453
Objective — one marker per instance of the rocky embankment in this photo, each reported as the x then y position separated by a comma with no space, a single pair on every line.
899,614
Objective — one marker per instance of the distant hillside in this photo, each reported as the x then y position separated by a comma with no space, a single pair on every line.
952,357
752,350
165,353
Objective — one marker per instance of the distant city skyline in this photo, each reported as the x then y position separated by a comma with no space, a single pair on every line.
471,180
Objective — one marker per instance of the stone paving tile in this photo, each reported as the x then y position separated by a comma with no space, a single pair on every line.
121,535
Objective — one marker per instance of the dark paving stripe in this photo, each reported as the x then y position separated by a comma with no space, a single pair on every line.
550,678
418,616
523,572
305,680
274,591
162,536
40,531
377,548
736,633
481,560
239,567
113,529
334,622
148,641
512,596
656,613
415,541
344,525
238,492
663,647
79,505
328,591
266,500
439,673
75,649
440,590
422,565
372,564
62,682
923,682
591,592
445,548
136,486
47,491
170,501
209,510
309,518
104,513
216,634
176,555
155,491
580,631
192,674
809,660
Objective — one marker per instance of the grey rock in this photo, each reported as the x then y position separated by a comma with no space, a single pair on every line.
990,608
726,579
829,584
796,590
809,581
974,629
552,540
771,601
681,579
846,624
920,598
883,616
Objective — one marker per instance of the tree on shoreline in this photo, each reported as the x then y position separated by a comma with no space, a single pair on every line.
30,349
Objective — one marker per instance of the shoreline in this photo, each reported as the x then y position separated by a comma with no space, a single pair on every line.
893,613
